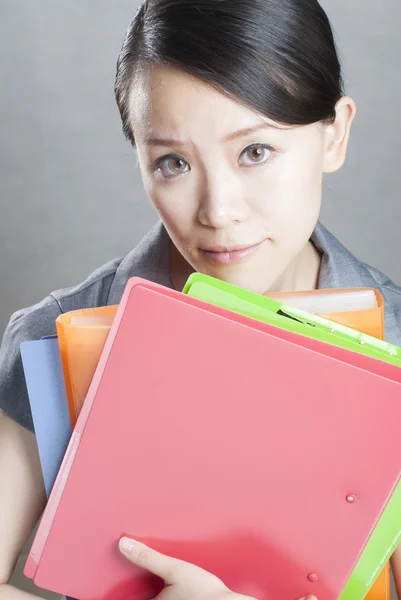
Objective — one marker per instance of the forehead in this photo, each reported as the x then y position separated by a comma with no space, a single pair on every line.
173,101
167,103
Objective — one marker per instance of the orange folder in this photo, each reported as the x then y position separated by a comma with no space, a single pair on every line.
368,320
82,335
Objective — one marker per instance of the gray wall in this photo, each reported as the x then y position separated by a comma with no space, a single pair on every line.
70,194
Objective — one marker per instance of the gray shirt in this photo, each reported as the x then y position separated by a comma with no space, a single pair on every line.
150,260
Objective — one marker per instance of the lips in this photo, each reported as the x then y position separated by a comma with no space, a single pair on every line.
227,256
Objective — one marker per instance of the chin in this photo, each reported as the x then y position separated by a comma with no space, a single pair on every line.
240,277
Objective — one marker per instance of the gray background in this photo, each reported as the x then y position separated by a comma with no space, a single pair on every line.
70,192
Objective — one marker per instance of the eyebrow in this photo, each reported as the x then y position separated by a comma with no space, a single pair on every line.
229,138
248,130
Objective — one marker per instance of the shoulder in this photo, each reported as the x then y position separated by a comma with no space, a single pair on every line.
385,283
391,293
38,320
93,291
148,260
33,323
341,269
103,287
27,324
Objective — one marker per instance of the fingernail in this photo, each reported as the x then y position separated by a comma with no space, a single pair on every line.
126,545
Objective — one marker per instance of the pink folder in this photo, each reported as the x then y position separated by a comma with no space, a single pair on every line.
263,456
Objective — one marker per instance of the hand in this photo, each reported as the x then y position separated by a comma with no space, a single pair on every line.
183,580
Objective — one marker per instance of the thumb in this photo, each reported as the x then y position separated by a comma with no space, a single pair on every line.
163,566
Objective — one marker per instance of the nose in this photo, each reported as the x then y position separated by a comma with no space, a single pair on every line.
222,202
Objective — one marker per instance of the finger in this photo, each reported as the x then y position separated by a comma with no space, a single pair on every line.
308,598
169,569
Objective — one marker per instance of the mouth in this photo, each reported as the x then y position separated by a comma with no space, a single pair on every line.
230,256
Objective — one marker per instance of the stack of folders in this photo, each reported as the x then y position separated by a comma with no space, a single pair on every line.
257,437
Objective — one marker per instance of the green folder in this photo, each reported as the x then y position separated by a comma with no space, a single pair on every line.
387,533
287,317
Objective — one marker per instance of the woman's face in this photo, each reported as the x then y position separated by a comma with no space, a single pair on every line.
239,194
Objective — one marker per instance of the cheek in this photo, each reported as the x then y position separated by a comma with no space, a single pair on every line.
175,206
294,189
175,201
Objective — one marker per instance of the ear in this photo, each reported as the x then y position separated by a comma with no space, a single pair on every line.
337,134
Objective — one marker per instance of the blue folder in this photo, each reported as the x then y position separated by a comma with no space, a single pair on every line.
48,399
47,396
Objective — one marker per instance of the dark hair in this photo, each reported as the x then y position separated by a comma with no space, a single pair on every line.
277,57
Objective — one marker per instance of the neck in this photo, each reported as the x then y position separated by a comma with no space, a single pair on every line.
302,274
180,269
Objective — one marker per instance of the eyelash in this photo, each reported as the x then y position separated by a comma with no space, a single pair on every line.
168,157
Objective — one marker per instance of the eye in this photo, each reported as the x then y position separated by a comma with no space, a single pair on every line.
172,165
256,154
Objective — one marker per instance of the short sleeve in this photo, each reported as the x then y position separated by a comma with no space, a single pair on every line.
25,325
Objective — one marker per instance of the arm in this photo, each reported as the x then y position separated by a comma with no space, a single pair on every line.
396,568
22,498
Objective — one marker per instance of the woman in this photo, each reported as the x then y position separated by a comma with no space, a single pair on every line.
236,110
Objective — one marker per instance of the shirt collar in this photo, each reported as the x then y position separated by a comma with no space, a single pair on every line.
150,260
339,268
